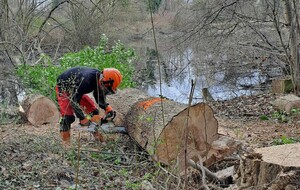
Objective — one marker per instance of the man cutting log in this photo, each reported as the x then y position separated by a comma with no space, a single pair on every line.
72,90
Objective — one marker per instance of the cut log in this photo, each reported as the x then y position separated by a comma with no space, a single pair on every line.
273,168
122,102
286,103
159,126
39,110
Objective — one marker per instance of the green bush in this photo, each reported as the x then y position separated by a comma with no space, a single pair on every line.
41,78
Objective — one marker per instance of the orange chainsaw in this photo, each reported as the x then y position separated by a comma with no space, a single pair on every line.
106,125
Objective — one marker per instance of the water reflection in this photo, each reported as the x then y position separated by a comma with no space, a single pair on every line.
179,90
222,84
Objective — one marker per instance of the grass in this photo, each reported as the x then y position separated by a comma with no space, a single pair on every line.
282,116
285,140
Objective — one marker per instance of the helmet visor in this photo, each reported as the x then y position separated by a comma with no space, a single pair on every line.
108,87
109,90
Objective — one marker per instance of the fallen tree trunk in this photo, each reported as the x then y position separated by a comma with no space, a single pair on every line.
39,110
272,168
171,132
160,126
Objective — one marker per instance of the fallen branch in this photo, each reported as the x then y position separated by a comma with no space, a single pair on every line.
212,176
203,173
222,182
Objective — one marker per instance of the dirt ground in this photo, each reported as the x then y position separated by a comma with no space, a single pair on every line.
33,157
254,121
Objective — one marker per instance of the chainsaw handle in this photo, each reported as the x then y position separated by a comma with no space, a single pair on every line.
110,116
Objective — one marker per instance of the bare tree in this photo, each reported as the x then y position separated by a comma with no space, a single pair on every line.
261,34
30,28
292,18
22,30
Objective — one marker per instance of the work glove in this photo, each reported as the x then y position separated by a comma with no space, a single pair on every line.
110,114
96,118
85,122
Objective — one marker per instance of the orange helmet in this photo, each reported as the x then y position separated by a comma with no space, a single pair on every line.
111,79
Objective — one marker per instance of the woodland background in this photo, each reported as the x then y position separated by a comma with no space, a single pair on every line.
231,37
170,38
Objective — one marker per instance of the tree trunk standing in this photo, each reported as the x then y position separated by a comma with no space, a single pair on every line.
291,13
167,5
8,91
3,17
295,46
295,49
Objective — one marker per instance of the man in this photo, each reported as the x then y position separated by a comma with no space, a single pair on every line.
72,88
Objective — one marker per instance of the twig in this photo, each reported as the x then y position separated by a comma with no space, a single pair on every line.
50,14
78,163
123,166
187,130
203,173
160,79
209,174
112,153
169,173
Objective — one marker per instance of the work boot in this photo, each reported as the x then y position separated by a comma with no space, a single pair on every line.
66,138
98,137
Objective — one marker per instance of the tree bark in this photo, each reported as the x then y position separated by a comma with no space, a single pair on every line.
272,168
39,110
158,125
291,13
162,133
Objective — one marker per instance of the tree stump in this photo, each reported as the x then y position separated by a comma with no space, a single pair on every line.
282,85
272,168
160,127
39,110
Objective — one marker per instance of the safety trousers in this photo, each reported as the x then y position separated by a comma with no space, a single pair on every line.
66,110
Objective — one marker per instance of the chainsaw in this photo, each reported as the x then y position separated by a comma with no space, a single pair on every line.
106,125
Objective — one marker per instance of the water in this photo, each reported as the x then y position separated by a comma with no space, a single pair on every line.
179,90
176,83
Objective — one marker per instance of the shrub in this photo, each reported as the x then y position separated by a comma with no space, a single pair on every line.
41,77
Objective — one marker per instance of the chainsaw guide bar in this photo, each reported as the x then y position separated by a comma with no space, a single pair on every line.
108,127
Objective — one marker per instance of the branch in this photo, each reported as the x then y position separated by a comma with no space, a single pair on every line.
212,176
14,45
187,129
49,15
207,21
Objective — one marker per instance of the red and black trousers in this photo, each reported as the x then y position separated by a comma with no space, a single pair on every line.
67,111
